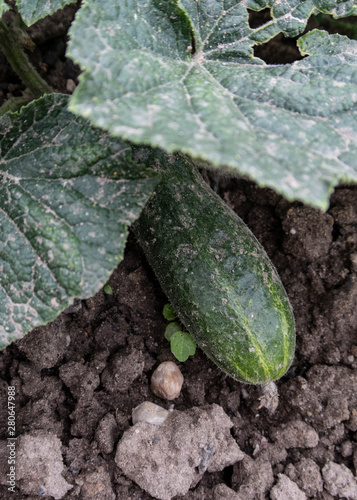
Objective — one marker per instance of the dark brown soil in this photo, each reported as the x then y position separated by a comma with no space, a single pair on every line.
63,372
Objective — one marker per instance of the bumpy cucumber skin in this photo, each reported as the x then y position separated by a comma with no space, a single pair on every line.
217,276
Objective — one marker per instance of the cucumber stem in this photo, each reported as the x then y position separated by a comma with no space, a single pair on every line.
11,46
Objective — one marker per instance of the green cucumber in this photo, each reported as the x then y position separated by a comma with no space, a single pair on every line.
217,276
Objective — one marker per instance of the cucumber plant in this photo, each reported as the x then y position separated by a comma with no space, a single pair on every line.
182,344
162,77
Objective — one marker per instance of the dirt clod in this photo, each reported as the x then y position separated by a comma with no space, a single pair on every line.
96,485
252,478
306,474
123,368
338,480
295,434
169,459
107,433
40,465
286,488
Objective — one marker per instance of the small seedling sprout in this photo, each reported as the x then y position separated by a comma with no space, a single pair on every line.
181,343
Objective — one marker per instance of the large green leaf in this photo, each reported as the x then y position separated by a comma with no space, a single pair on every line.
3,7
291,127
68,193
33,10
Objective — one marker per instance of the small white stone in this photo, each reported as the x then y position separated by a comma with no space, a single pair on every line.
167,380
150,413
70,85
347,449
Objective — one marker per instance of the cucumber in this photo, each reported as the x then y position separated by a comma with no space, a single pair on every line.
217,276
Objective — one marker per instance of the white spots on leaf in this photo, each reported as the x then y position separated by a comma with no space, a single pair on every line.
66,246
291,181
336,83
198,58
126,131
54,303
173,126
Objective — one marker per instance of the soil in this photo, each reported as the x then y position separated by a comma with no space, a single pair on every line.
78,378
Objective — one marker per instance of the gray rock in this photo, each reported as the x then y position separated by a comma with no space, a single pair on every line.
339,481
150,413
286,489
169,459
39,465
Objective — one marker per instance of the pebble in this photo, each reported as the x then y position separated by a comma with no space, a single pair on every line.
167,380
347,449
70,85
150,413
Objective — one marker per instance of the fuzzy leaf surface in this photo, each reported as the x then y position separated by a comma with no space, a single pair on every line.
3,7
33,10
68,193
182,76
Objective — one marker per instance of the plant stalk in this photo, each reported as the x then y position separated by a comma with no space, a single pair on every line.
20,63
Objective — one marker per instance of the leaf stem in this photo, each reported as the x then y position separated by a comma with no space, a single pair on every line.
20,63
